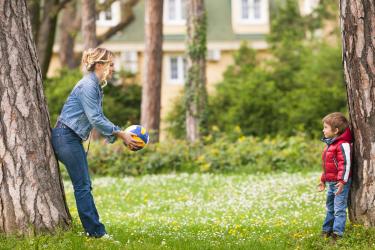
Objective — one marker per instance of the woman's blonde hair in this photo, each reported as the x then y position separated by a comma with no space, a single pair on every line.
95,55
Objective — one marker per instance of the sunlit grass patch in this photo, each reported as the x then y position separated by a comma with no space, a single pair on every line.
204,211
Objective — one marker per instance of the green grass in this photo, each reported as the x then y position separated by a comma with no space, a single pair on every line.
204,211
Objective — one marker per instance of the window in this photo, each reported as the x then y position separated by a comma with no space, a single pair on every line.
177,70
175,12
245,9
257,9
253,11
110,16
213,55
128,61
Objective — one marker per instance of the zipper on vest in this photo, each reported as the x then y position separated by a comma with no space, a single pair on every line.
336,164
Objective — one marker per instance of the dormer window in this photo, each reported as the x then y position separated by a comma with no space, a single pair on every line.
175,12
253,11
110,16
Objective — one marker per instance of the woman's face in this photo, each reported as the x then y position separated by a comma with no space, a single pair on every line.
105,70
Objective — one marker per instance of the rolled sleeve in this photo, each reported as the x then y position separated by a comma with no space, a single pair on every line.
90,100
112,138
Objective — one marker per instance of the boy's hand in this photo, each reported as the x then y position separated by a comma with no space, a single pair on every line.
340,187
321,187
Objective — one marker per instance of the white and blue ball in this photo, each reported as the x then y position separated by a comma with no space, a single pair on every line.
140,134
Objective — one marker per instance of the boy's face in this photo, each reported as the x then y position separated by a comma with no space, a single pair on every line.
328,131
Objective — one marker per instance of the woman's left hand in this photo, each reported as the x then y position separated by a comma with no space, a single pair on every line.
128,139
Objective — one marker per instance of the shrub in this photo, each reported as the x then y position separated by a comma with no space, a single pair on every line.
288,92
222,155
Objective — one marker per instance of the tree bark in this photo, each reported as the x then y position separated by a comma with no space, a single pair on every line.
89,24
151,87
32,197
358,32
69,27
46,35
34,12
195,87
44,28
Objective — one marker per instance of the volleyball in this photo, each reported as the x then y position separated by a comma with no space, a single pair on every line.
140,134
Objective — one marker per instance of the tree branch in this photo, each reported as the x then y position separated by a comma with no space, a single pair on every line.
126,18
103,6
58,7
62,4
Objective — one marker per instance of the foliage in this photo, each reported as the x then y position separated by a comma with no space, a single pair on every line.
221,154
319,90
285,94
286,44
204,211
121,104
176,118
248,98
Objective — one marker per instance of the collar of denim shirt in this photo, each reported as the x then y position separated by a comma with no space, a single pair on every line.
93,77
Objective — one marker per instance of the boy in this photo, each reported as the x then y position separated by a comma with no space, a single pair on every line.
336,172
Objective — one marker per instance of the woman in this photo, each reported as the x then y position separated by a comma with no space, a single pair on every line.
83,111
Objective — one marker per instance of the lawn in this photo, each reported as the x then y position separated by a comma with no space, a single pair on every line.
204,211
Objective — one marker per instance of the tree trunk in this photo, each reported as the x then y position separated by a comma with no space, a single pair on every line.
34,12
195,87
68,28
32,197
151,87
89,24
358,32
46,35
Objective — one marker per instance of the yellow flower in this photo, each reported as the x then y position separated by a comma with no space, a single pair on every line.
201,158
237,129
215,128
205,167
241,139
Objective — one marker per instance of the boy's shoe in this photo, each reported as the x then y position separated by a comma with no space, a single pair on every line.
326,234
335,236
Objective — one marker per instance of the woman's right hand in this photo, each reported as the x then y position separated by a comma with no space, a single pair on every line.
128,139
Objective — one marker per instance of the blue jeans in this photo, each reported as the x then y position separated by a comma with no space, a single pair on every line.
336,208
69,150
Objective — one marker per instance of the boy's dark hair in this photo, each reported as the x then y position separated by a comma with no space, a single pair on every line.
336,120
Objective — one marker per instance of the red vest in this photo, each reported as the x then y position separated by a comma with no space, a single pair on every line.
337,158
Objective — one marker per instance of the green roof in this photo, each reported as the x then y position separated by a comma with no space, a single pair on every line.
219,25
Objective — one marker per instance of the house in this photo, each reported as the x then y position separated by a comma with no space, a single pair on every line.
229,23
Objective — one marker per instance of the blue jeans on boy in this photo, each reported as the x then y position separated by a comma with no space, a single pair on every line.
69,150
336,208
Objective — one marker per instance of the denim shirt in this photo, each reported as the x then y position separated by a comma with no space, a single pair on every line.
83,109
